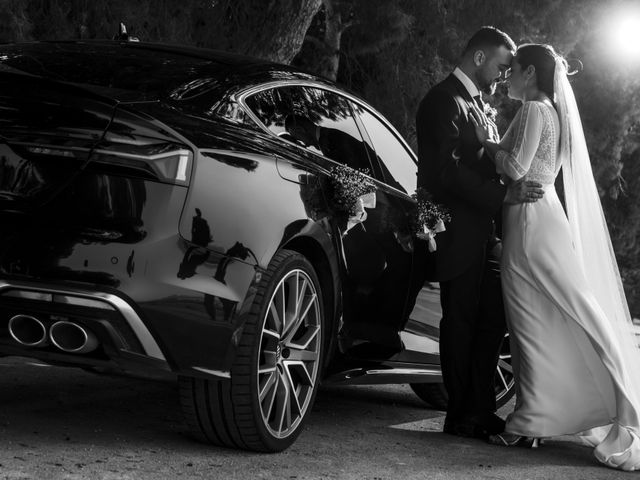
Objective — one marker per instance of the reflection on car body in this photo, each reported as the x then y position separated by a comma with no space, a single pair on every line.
168,206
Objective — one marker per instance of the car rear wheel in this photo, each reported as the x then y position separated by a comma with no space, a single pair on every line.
436,395
276,373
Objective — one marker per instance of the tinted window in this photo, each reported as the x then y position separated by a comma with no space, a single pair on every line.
318,120
398,167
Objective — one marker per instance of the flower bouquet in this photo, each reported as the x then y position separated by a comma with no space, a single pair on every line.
430,218
350,193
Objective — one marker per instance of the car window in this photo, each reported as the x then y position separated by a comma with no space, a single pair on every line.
232,112
316,119
397,164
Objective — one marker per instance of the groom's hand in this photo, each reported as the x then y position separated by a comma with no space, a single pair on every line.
523,192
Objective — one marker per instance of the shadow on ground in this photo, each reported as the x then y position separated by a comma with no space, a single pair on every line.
70,424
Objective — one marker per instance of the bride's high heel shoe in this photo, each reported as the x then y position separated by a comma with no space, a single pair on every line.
512,440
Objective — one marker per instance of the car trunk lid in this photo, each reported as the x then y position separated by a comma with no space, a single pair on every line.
51,132
47,134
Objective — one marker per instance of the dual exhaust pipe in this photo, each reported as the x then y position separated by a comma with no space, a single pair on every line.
67,336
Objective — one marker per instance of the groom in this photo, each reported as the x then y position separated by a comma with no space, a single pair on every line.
453,168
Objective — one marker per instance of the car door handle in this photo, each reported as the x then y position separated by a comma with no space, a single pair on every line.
291,171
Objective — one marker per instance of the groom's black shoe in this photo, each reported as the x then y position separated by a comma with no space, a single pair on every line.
465,429
475,426
489,422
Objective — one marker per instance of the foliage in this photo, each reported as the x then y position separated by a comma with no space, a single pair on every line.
15,23
354,26
273,30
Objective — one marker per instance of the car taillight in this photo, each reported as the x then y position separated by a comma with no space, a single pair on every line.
169,163
56,152
171,166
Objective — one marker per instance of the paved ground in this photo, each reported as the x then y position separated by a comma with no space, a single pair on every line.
67,424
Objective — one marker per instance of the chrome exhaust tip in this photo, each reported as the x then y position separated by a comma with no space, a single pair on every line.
72,338
28,331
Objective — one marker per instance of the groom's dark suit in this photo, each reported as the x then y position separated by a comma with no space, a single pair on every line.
451,166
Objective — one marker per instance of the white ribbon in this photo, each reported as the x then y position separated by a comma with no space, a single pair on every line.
429,235
367,200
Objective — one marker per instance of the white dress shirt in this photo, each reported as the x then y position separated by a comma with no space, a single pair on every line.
466,81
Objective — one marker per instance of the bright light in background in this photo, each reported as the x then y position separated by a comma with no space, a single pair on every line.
627,36
624,31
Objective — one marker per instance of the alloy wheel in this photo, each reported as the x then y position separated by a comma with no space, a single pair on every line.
504,382
289,353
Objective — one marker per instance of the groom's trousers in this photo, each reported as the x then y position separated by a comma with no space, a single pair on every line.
471,333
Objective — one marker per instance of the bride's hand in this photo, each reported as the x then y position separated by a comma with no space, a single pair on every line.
481,123
494,136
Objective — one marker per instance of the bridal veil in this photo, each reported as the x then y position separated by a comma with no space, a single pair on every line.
617,445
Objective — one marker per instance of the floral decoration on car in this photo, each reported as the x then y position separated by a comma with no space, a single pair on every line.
430,218
351,192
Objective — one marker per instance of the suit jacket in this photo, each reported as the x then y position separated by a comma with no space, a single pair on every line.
451,166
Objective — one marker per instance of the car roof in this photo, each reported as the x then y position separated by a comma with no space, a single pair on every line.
138,71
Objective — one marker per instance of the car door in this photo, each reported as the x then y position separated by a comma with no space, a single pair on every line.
418,323
376,254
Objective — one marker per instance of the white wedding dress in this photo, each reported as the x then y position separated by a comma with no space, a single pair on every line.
572,374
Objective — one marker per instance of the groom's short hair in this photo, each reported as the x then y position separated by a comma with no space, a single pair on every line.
489,37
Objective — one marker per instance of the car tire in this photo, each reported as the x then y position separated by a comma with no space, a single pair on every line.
436,395
276,372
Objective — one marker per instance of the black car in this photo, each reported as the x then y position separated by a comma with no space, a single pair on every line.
176,212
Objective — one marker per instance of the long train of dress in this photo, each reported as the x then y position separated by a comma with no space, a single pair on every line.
571,377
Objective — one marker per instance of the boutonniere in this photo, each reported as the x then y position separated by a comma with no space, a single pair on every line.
490,112
430,218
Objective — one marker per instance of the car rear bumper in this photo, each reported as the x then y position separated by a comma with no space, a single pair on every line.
123,341
175,335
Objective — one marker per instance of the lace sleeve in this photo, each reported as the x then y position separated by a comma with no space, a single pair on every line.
515,163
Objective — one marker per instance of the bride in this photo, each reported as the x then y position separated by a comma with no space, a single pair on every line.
574,354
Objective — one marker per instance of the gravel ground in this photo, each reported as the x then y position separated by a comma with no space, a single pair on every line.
68,424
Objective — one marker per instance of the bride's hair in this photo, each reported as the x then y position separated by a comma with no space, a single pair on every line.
543,58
